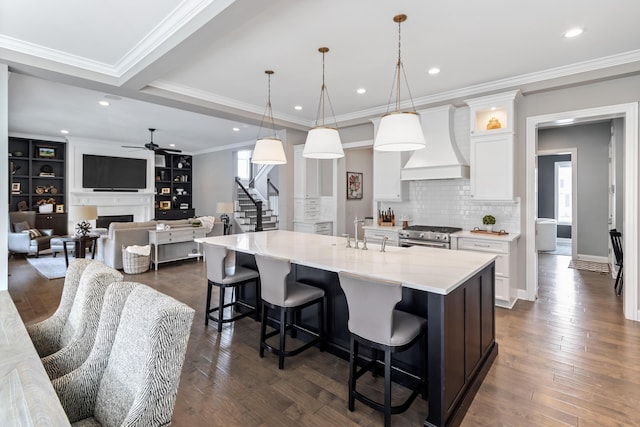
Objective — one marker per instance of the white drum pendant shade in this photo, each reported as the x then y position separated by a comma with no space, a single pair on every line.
399,132
323,143
269,151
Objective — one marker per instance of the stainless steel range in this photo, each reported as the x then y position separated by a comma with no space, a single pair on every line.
426,235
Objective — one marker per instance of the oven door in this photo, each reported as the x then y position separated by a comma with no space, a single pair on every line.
405,243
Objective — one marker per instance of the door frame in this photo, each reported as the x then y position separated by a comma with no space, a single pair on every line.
629,112
573,151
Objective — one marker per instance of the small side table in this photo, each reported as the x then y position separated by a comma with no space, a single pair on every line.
81,243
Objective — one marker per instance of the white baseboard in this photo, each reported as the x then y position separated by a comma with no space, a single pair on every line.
522,294
593,258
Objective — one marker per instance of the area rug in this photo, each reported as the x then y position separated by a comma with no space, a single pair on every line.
599,267
48,266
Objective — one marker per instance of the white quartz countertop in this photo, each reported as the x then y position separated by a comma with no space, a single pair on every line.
426,269
483,236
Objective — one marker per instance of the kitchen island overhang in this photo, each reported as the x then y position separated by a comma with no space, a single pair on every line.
454,290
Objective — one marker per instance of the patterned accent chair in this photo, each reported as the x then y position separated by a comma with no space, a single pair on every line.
131,376
64,340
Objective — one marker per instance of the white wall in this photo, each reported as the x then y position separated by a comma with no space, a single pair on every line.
4,170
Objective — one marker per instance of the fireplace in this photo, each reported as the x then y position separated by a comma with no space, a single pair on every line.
104,221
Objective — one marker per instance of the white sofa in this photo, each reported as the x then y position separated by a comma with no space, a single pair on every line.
136,233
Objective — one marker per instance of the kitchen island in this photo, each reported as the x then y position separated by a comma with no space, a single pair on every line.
454,290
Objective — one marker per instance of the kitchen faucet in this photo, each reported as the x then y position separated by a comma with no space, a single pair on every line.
384,243
355,226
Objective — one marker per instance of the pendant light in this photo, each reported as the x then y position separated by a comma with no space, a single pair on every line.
268,150
323,142
398,130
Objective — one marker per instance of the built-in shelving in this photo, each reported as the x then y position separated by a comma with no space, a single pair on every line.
173,187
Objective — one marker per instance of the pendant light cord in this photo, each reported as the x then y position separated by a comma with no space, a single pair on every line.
268,111
324,91
399,68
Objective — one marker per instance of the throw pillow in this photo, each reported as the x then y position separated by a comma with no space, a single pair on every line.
19,227
33,233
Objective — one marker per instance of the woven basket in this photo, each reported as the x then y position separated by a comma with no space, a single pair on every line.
134,263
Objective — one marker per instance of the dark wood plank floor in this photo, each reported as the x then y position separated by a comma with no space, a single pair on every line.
569,359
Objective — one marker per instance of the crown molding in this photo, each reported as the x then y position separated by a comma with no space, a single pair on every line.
41,52
221,100
506,83
226,147
183,16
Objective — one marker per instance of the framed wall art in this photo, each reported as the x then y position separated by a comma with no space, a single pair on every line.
59,208
45,152
354,185
165,206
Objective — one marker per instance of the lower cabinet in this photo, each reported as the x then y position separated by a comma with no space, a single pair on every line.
325,227
506,265
167,214
377,234
53,221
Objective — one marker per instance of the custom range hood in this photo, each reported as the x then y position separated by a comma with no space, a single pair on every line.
441,158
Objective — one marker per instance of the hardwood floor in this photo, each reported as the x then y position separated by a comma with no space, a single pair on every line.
568,359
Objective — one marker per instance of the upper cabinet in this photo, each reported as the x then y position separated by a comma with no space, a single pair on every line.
492,127
387,186
306,173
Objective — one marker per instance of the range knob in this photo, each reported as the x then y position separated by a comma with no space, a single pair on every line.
421,235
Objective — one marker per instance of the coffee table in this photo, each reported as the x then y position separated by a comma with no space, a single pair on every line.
81,243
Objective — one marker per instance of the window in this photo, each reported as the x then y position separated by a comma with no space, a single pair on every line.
244,164
563,186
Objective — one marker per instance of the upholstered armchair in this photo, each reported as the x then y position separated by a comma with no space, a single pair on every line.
131,376
27,242
64,340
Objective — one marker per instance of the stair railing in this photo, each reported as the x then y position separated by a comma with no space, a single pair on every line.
256,203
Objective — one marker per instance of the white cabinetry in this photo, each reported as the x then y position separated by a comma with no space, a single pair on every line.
377,234
506,266
492,153
325,228
305,174
387,185
306,209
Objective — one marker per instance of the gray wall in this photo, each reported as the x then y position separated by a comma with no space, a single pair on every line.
618,141
592,142
358,160
213,180
547,188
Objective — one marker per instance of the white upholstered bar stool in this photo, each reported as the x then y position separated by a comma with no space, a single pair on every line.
374,322
288,297
230,277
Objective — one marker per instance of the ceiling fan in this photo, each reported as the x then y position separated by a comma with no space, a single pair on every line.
154,147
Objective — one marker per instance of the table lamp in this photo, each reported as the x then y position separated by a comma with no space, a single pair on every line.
225,208
81,215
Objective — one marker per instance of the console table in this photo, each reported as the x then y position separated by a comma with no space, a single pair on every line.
175,244
25,389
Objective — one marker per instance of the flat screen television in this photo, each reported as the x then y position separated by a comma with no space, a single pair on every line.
113,173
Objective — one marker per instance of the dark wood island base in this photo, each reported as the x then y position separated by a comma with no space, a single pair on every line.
461,335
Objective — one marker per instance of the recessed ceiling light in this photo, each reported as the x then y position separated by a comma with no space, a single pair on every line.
564,121
236,129
361,91
434,70
104,103
64,132
493,108
574,32
298,107
172,145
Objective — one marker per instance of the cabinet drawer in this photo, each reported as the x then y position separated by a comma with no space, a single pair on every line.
502,265
323,227
482,245
502,288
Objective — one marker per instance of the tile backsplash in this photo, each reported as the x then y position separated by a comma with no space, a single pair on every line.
447,202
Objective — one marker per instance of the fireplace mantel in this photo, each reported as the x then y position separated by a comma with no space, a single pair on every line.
138,204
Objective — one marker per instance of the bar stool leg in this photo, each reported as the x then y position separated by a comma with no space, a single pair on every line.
387,388
353,365
263,329
206,312
321,323
221,309
283,330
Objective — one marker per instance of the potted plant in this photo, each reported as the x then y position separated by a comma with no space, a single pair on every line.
489,221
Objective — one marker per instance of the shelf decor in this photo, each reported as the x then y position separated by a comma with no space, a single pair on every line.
45,152
354,185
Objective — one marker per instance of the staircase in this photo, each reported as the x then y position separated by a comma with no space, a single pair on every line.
246,212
